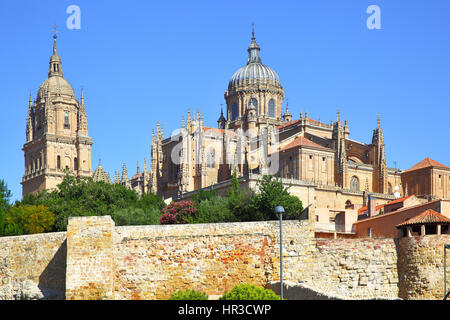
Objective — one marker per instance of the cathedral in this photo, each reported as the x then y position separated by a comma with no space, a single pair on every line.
57,137
256,135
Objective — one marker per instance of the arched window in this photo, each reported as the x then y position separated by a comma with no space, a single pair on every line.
389,188
272,108
234,112
211,159
354,184
58,162
66,120
75,163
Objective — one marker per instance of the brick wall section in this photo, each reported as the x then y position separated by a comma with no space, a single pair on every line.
90,263
421,267
356,268
152,262
39,259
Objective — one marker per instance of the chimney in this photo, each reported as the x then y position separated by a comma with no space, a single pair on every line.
372,206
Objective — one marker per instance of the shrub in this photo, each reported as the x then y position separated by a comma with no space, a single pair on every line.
188,295
136,216
213,210
178,212
249,292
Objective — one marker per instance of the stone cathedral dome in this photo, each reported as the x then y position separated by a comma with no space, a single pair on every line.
255,72
55,84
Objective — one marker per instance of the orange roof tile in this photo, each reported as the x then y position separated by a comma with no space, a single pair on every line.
426,163
428,216
221,131
301,141
363,210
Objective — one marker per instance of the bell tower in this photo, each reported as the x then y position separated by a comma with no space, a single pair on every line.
56,132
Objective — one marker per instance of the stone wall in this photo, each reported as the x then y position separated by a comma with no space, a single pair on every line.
96,260
356,268
152,262
90,263
33,266
421,262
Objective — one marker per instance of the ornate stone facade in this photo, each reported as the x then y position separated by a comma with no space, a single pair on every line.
56,133
255,137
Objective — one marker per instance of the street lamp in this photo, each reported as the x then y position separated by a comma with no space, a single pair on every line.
280,210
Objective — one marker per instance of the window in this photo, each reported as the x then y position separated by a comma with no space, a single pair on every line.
389,190
234,112
58,162
75,164
211,159
272,108
66,120
354,184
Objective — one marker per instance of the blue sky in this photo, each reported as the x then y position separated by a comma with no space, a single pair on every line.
140,62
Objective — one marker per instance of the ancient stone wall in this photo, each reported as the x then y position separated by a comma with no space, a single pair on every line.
356,268
33,266
96,260
421,261
152,262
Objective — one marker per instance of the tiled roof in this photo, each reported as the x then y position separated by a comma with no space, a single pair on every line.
426,163
301,141
363,210
288,124
428,216
221,131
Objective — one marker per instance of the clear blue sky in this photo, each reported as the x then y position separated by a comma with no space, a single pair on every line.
144,61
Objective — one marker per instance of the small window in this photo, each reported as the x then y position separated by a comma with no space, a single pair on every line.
272,108
66,120
58,162
234,112
323,158
75,164
354,184
310,157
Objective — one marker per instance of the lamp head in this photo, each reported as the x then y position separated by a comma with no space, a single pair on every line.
279,209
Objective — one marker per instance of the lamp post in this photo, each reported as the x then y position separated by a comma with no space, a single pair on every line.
280,210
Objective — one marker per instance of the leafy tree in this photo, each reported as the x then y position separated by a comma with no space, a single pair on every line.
213,210
203,195
77,196
136,216
28,219
5,195
272,193
249,292
188,295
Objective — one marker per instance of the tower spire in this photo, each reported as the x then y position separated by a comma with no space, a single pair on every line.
253,49
55,68
253,31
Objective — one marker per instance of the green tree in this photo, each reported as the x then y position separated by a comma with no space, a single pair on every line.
203,195
136,216
5,196
76,196
213,210
272,193
28,219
